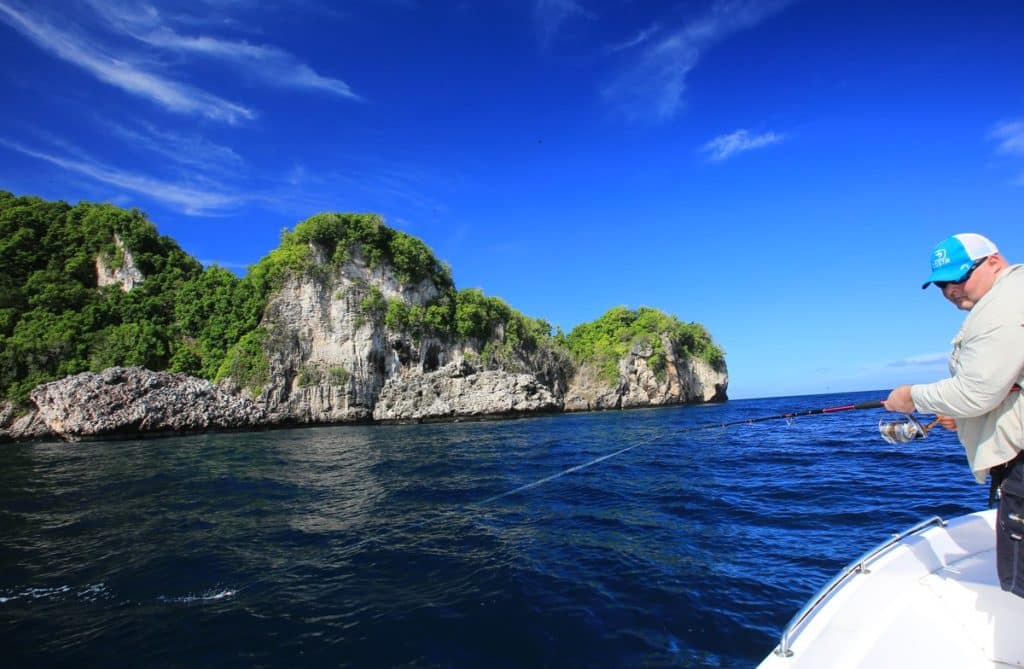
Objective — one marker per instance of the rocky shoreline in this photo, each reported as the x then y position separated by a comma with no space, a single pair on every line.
134,402
124,402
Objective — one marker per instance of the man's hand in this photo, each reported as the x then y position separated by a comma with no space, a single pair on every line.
947,422
900,400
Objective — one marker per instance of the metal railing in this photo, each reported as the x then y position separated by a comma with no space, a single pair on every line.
858,566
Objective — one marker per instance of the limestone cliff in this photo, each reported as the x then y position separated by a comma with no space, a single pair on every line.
119,270
331,361
459,391
328,359
684,380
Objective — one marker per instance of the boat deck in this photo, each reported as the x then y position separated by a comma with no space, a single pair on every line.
928,599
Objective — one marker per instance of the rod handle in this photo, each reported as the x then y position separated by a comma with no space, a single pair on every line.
873,404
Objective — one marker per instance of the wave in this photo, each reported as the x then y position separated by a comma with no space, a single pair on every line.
212,595
90,592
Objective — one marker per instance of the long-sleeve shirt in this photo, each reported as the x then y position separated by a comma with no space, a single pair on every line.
986,362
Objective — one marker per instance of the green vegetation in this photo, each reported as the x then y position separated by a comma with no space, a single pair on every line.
605,341
56,321
338,237
246,362
373,306
500,328
313,375
338,376
213,311
309,375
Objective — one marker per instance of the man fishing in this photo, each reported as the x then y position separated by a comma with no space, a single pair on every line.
982,397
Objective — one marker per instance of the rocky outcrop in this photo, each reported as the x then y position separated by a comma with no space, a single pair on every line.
681,380
702,382
331,360
458,390
123,273
128,401
21,426
328,358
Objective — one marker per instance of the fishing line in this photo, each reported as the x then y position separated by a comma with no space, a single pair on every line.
570,470
788,417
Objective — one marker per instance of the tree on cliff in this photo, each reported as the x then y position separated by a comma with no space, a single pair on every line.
55,320
605,341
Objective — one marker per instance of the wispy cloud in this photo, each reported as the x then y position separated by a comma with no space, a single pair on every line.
925,360
188,150
550,15
740,141
186,198
651,87
120,44
375,185
117,71
1010,137
636,40
264,62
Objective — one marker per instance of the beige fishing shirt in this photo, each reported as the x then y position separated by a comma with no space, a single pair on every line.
987,360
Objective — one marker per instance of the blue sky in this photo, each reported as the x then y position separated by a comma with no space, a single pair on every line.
776,170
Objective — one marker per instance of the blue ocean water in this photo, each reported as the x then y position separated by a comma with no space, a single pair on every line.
366,546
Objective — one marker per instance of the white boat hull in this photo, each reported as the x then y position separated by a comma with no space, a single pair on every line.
930,599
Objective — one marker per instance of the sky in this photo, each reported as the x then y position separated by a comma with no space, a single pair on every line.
776,170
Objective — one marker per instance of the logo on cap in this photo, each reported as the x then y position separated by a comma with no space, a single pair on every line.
940,258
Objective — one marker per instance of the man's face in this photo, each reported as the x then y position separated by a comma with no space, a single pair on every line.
965,294
955,293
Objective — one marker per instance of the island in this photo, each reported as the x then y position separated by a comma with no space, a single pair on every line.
109,329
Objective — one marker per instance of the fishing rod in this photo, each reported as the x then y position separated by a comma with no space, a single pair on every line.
893,433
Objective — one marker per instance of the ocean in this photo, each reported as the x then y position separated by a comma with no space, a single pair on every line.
369,546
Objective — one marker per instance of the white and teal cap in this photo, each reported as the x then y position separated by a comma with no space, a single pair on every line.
954,257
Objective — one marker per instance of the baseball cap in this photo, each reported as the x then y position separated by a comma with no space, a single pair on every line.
953,257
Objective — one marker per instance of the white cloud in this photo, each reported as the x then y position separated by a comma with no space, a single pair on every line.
640,38
268,63
924,360
740,141
119,72
550,15
302,189
186,198
652,86
1010,138
130,66
188,150
1010,135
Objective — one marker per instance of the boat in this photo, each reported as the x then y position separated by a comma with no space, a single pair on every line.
927,597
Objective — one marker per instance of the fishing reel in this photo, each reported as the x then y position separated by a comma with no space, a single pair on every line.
902,433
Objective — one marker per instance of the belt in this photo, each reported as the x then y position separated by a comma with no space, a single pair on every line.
998,473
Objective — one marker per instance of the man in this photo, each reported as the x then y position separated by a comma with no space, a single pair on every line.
982,397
